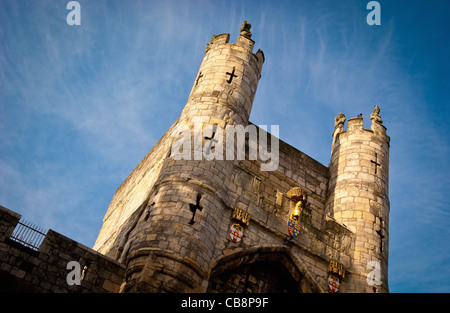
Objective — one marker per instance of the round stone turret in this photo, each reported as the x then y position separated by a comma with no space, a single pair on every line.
359,197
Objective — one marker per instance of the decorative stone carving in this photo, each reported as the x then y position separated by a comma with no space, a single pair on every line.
339,120
245,30
375,116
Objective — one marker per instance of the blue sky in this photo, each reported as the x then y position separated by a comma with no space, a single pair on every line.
80,106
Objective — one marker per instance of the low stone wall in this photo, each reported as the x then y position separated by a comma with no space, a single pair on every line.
23,269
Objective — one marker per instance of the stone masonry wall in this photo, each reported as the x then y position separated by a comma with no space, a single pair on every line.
131,194
23,269
263,195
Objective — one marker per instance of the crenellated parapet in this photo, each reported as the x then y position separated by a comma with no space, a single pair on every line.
356,124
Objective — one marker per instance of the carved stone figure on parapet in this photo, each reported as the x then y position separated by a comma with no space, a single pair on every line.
375,116
245,29
339,120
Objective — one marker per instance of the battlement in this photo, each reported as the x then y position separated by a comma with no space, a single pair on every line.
361,143
355,125
243,44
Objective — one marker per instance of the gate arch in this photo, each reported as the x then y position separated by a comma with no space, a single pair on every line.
261,269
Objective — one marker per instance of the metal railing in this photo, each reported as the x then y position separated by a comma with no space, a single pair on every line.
29,235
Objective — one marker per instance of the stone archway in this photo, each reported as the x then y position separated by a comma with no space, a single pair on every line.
264,269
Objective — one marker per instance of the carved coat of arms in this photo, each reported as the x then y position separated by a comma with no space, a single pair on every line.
241,219
293,227
336,273
298,196
236,232
333,283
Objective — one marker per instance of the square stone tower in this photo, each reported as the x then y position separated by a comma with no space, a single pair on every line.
204,212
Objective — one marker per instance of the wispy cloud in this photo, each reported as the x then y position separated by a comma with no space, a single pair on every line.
97,98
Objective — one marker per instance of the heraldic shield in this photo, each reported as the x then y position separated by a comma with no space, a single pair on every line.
236,232
333,283
336,273
293,227
297,196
